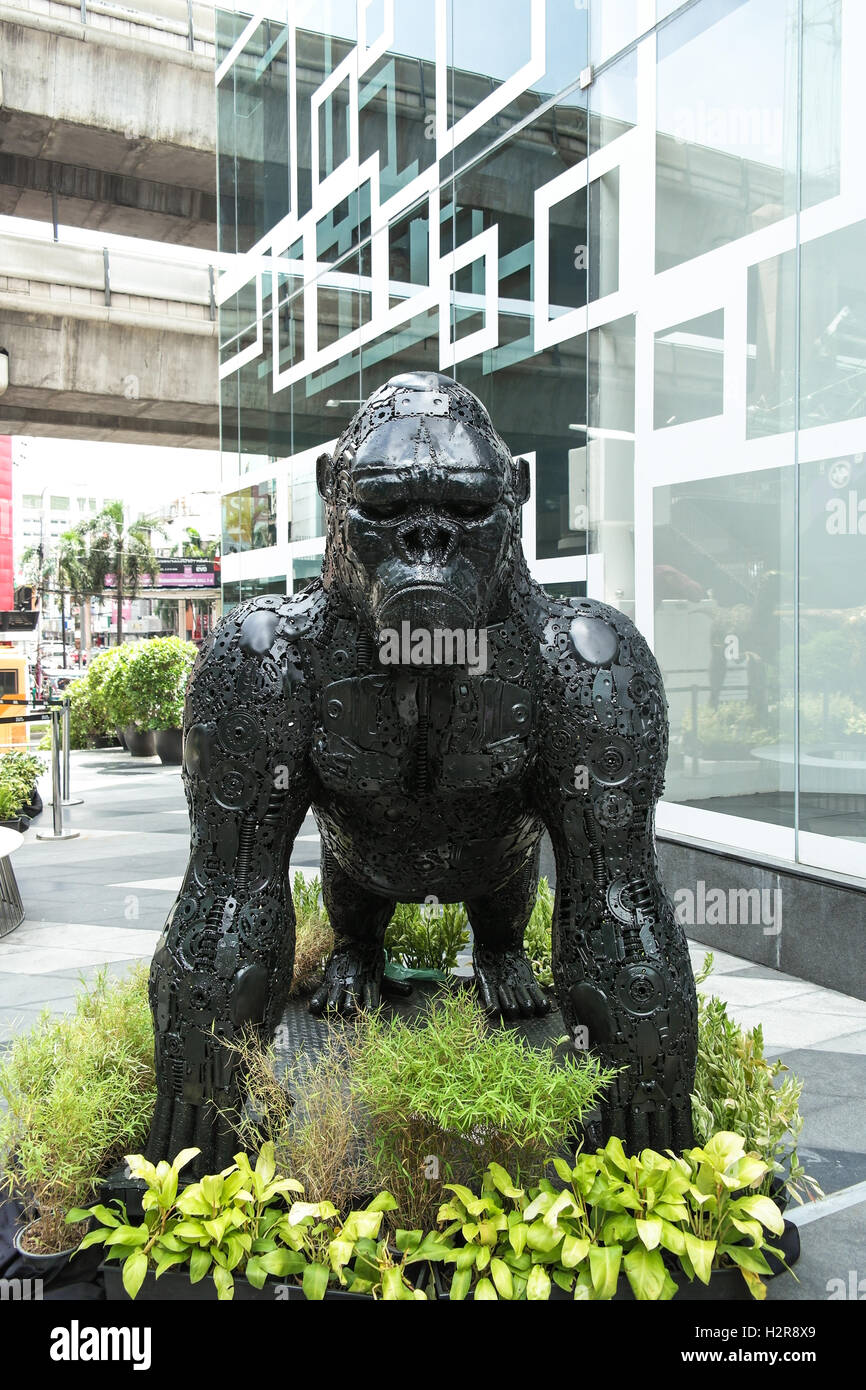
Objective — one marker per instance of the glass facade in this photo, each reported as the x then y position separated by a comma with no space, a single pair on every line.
638,233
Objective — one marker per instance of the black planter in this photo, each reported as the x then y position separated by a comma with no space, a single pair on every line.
169,746
64,1267
725,1286
20,823
175,1287
34,806
107,741
140,742
121,736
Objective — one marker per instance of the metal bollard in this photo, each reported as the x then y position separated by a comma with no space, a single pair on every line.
67,799
57,833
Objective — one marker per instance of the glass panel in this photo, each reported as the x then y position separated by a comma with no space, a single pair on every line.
304,571
308,519
326,33
727,124
771,346
833,327
261,133
820,120
833,646
689,370
610,442
484,54
227,232
397,99
265,423
249,518
612,101
724,632
239,590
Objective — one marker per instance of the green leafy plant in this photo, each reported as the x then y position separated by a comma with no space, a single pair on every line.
19,771
537,939
157,677
241,1222
737,1088
424,938
78,1091
449,1093
647,1217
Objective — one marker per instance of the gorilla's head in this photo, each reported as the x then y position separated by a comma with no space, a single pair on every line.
423,508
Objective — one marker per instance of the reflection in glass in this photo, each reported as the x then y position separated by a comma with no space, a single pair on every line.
689,370
249,518
727,124
724,633
610,453
832,615
833,327
771,346
308,520
239,590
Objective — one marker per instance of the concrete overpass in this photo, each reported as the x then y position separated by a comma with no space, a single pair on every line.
107,346
110,123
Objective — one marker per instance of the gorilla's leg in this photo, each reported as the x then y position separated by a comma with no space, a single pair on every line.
505,980
353,975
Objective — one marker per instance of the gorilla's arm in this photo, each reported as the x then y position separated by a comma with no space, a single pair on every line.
620,958
225,958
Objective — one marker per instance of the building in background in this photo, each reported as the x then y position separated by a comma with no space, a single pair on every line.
637,232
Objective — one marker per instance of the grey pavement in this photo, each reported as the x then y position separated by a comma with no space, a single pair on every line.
100,901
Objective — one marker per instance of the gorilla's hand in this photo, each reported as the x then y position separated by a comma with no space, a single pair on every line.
353,978
507,985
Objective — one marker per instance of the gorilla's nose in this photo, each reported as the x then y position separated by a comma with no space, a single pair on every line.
426,540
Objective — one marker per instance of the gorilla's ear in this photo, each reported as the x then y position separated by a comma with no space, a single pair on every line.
521,487
325,477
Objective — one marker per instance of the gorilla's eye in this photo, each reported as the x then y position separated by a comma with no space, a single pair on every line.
469,511
381,511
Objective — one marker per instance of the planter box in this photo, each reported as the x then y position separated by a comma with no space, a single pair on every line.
169,746
141,743
175,1287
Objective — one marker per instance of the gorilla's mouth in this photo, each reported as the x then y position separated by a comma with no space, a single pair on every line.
428,606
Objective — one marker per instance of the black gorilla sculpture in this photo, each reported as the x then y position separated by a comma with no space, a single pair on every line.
426,778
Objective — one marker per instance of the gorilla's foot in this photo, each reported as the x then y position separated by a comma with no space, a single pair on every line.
353,978
507,985
179,1125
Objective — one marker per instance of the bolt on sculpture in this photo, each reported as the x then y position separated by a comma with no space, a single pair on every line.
437,710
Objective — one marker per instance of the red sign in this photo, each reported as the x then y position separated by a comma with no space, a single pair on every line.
7,566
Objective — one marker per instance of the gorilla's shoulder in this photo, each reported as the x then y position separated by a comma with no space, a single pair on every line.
594,634
256,627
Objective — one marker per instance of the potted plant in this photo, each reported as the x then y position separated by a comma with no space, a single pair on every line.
449,1093
423,940
20,801
240,1228
648,1227
737,1088
78,1091
158,676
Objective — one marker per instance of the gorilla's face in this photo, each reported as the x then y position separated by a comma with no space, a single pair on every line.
427,525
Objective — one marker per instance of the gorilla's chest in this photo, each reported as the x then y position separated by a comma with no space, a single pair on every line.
416,734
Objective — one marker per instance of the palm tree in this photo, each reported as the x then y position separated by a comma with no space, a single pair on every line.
81,575
124,551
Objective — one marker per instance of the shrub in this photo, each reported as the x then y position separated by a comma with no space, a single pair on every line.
157,678
79,1092
449,1094
537,938
736,1089
18,773
317,1127
314,939
421,938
